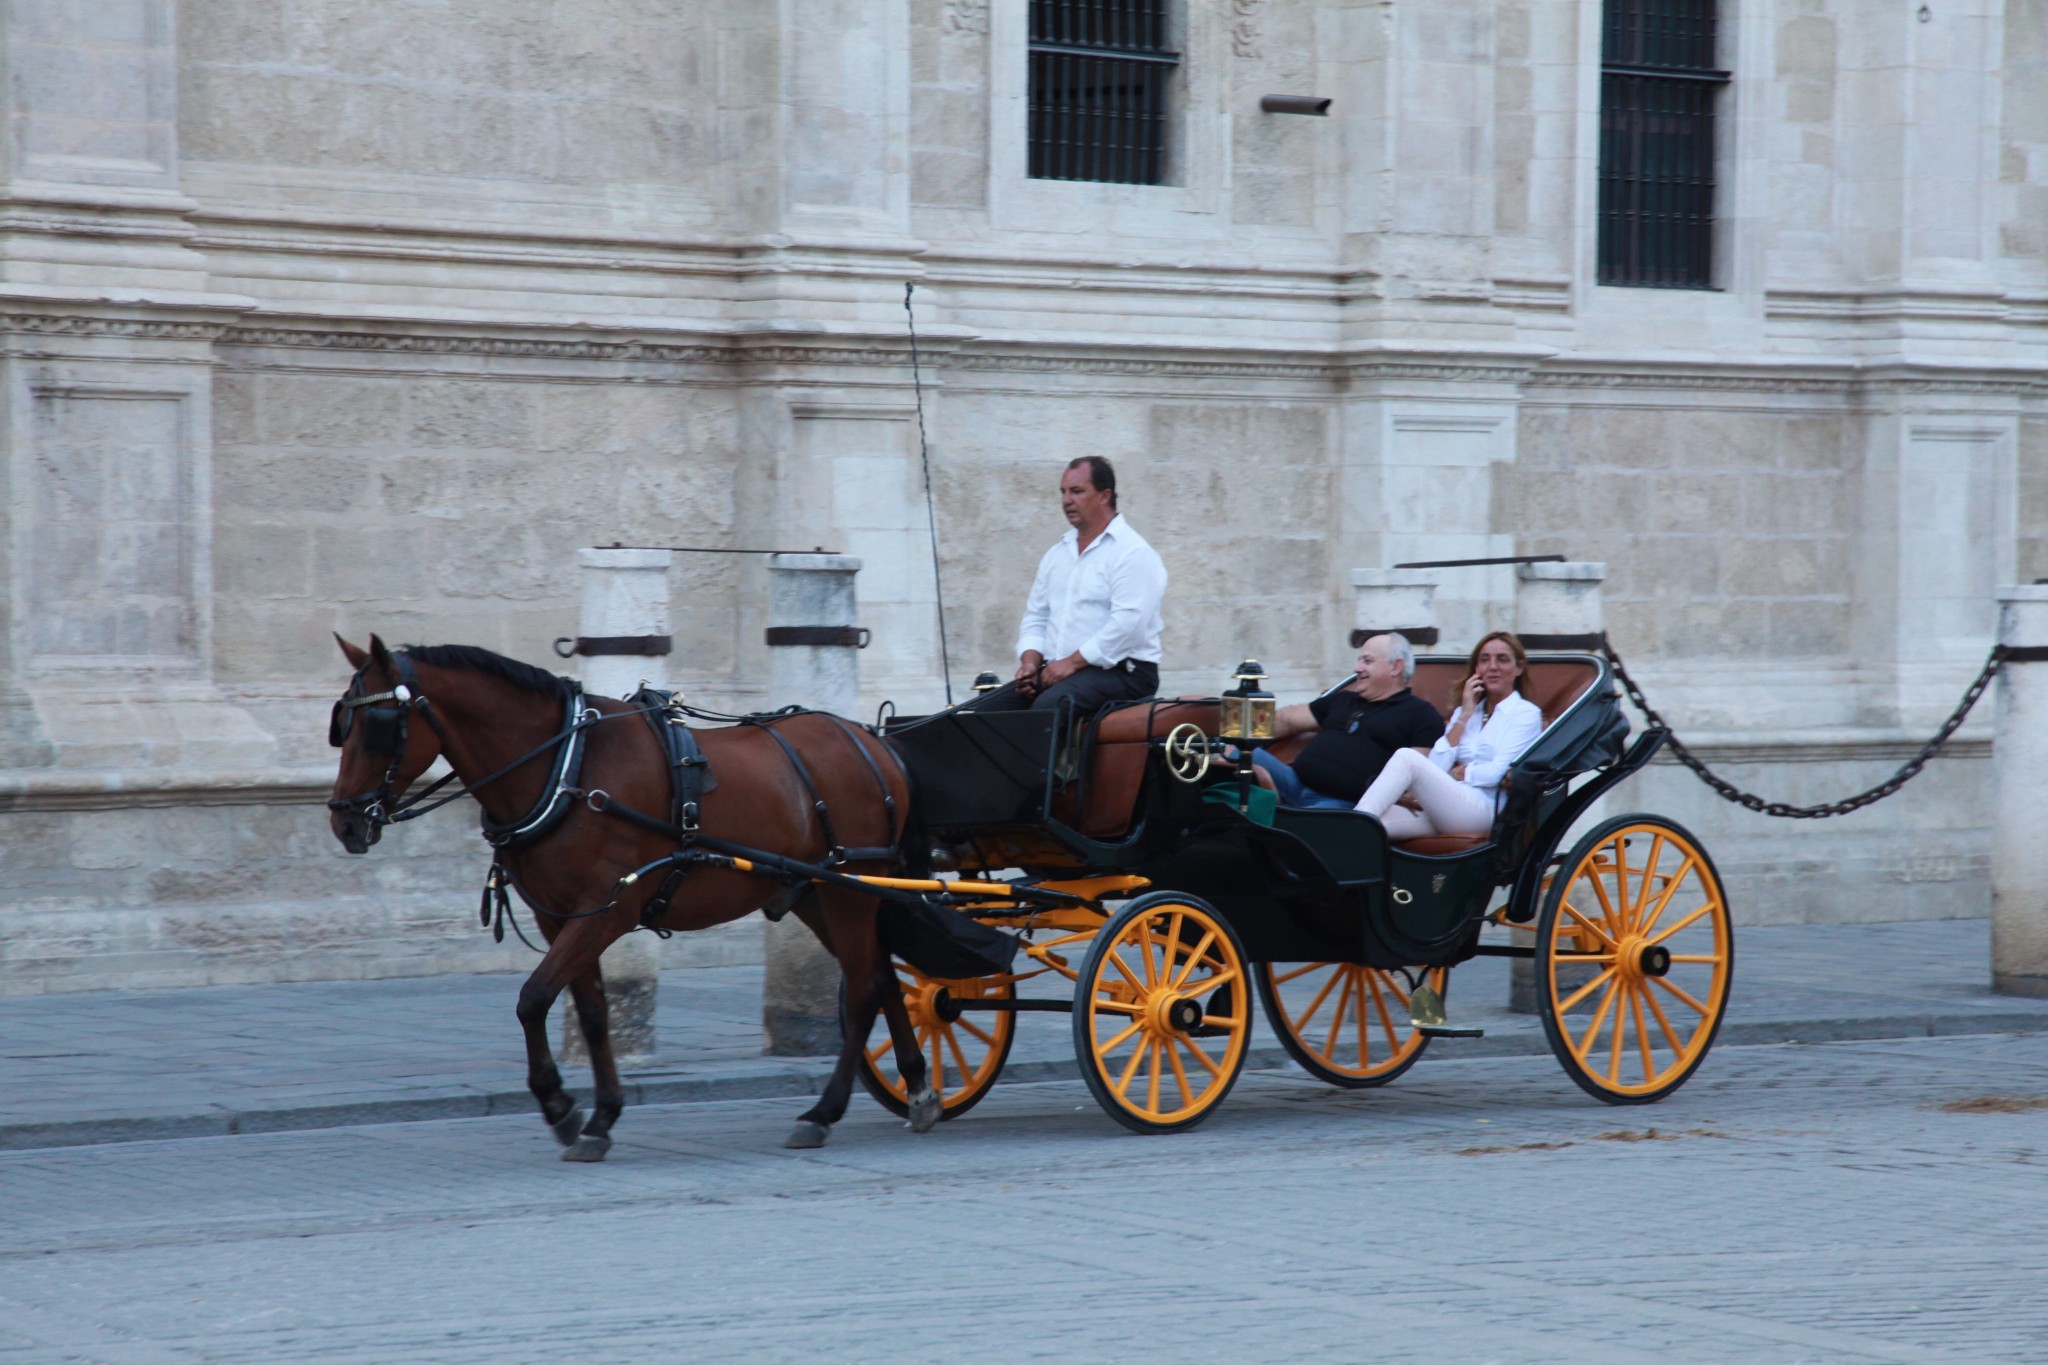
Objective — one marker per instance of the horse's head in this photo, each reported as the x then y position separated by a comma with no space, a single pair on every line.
382,751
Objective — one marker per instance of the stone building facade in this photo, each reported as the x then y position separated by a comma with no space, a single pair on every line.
364,315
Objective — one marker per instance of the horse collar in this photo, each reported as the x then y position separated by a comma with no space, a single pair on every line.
560,791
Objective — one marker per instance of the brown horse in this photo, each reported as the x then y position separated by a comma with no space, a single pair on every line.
504,726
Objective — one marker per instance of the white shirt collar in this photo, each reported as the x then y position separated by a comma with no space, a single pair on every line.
1073,536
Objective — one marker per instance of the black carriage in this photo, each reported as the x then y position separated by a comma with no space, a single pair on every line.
1167,893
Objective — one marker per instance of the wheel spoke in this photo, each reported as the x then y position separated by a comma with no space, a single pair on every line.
1685,923
1116,960
1393,1031
1615,1039
1653,913
975,1029
1571,910
1180,1077
1301,1024
1281,979
1636,920
1199,1055
1172,938
1564,1007
1130,1069
1145,948
1670,1034
1620,842
1713,958
959,1058
1194,960
1223,977
1119,1007
1616,930
1153,1072
1118,1041
1593,1030
1329,1048
1642,1036
937,1080
1682,995
875,1054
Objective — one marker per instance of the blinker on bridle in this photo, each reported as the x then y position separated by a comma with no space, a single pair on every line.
385,718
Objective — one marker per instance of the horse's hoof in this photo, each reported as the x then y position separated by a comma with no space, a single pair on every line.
589,1147
807,1135
569,1127
926,1109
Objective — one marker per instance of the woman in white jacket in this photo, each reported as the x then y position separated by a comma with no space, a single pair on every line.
1455,788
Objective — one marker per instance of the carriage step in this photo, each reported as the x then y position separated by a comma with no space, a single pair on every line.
1446,1031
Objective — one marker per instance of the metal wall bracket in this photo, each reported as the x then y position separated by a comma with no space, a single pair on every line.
849,637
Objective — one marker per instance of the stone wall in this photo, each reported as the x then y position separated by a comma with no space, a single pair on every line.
363,315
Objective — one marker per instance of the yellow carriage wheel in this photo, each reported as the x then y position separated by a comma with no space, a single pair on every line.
1634,955
964,1050
1162,1013
1347,1025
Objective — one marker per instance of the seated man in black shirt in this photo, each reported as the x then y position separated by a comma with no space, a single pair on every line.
1356,729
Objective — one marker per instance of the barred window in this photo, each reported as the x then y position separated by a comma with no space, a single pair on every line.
1658,89
1099,70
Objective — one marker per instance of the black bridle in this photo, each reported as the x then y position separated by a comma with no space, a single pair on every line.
387,721
387,726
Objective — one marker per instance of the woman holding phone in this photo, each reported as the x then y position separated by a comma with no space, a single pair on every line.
1455,788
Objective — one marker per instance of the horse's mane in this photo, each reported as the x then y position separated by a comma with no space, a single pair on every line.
480,660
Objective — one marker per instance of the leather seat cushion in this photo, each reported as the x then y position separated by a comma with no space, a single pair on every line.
1437,845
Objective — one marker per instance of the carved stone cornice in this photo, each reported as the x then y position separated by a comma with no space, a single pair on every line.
91,325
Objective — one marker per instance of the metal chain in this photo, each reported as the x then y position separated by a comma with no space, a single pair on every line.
1728,791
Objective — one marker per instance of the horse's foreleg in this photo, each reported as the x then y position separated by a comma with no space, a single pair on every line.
574,952
609,1098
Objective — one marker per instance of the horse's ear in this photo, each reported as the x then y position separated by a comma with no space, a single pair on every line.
356,657
381,654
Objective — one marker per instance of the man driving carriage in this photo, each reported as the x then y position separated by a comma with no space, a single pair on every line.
1354,730
1091,625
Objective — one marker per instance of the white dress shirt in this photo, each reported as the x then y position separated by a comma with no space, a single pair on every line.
1102,602
1491,746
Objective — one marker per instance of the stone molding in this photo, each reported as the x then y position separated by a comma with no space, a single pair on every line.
86,325
1168,360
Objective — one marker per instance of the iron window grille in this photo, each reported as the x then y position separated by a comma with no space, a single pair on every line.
1658,89
1099,73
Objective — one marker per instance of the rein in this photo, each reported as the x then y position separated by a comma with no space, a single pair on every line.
387,729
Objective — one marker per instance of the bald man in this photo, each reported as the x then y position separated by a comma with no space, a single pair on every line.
1355,729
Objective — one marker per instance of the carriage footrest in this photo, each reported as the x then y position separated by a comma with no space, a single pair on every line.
1446,1031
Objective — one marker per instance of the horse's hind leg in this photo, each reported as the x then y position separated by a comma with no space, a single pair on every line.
926,1107
869,986
609,1098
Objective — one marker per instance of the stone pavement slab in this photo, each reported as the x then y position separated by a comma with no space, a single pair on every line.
127,1065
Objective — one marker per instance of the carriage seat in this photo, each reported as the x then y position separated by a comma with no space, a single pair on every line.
1119,746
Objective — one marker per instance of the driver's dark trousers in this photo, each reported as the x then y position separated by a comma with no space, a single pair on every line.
1089,690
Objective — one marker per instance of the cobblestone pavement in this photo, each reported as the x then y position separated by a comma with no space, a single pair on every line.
1869,1201
115,1065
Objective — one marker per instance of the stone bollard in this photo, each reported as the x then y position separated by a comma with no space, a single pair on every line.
2019,755
1396,600
1557,606
814,653
625,596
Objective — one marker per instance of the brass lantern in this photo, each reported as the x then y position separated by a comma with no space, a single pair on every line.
1248,708
986,681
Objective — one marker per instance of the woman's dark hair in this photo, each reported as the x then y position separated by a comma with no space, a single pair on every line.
1101,473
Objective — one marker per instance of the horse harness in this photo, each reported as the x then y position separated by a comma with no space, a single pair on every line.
691,776
386,722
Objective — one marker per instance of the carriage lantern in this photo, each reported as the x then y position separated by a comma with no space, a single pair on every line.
1248,709
986,681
